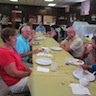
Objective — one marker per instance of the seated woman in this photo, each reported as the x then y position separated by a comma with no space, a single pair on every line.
53,33
12,70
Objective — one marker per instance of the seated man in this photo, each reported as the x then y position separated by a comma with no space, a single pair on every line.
22,45
90,52
40,28
72,43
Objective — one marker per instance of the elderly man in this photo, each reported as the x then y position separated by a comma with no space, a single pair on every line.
72,43
22,45
40,28
90,52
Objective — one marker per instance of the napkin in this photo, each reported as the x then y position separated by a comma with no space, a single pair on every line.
80,90
42,69
44,54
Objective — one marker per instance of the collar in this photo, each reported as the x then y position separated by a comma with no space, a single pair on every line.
74,37
23,38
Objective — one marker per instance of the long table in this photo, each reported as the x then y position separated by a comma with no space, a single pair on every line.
54,83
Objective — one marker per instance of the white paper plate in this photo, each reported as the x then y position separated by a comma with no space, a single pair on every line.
40,38
89,76
56,48
74,61
43,61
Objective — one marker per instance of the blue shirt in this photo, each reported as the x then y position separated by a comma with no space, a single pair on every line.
22,45
40,28
94,67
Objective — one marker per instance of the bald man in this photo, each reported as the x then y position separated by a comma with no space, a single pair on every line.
72,43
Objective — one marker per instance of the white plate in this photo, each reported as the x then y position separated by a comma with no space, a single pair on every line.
56,48
44,61
89,76
74,61
40,38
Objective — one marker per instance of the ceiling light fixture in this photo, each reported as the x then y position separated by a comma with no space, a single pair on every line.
51,4
48,0
14,0
74,0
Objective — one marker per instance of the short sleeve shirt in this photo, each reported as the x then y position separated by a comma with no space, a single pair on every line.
22,46
7,57
40,28
76,46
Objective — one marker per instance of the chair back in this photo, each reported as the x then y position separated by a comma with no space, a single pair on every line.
4,90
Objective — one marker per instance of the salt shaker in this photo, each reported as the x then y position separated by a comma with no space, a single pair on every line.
53,66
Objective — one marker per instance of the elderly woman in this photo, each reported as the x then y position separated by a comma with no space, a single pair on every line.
13,71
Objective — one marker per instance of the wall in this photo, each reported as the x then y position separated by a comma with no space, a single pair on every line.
31,10
58,12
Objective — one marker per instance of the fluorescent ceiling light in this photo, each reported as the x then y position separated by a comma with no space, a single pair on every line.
49,0
14,0
65,6
74,0
51,4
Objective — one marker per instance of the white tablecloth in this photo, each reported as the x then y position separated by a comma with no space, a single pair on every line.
84,29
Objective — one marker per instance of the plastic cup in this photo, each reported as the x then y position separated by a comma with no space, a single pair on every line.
53,66
84,81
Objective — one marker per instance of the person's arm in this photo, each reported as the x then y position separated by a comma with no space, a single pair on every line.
29,53
37,29
31,41
62,46
27,68
67,46
44,29
85,67
11,70
91,52
52,34
84,53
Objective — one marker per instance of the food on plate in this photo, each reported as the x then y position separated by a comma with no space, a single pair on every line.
79,61
41,50
36,43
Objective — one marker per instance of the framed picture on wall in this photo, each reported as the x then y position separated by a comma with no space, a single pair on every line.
49,20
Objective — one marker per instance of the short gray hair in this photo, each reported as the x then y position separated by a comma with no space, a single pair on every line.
24,28
72,28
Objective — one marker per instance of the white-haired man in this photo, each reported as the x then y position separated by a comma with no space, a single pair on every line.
22,45
72,43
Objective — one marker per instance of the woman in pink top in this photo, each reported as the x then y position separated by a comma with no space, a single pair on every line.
13,71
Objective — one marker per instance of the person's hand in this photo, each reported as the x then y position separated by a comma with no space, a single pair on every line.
90,48
85,46
61,45
79,66
27,68
68,38
35,51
